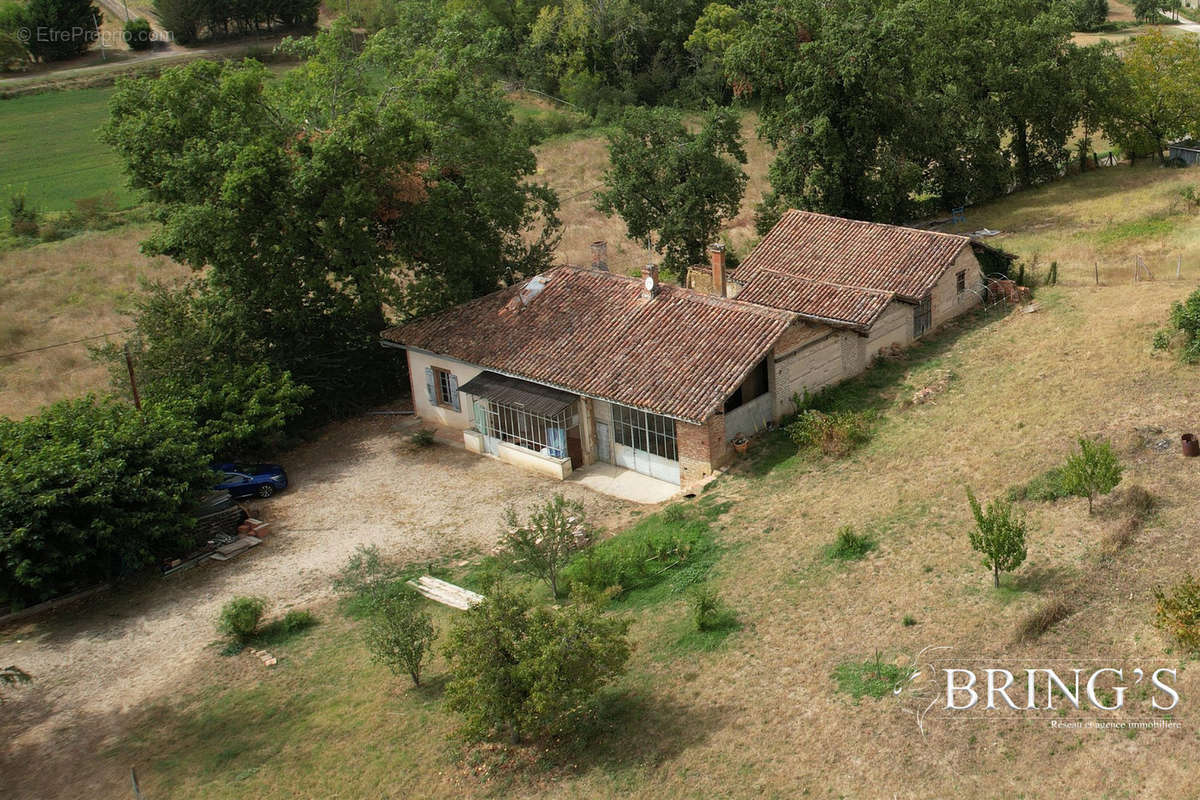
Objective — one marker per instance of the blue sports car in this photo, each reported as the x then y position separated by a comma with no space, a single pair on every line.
246,480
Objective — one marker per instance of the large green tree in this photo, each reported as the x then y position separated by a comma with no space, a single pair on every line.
672,187
316,203
880,110
1157,93
62,28
90,489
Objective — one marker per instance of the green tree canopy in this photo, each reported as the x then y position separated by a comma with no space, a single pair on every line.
90,489
530,671
62,29
1157,95
673,187
316,203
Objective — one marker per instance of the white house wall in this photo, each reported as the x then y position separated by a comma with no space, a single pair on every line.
446,417
947,302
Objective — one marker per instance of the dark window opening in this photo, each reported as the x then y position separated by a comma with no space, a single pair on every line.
960,281
922,317
756,385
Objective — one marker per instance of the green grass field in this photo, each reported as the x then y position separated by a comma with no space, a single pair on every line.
50,152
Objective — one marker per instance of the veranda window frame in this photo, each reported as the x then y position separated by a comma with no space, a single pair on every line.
513,424
641,430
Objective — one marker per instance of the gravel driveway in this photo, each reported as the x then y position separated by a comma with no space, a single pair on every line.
359,483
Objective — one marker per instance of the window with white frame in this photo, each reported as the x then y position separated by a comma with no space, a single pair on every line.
640,430
513,424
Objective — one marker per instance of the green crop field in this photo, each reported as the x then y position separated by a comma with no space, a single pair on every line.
50,152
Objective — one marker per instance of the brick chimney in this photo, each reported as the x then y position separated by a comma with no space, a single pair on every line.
600,256
716,254
649,281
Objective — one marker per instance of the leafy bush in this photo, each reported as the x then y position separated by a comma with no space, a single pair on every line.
1185,318
11,676
138,33
1045,617
1044,488
544,678
298,620
541,545
908,621
850,546
835,434
871,678
709,612
1161,340
240,617
365,581
1093,470
422,438
1178,612
999,534
22,217
91,490
400,634
643,555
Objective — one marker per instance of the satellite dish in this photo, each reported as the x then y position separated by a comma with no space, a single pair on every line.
649,283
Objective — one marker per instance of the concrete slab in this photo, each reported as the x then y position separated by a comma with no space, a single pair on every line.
624,483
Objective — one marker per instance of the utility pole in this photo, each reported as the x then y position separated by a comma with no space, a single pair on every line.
137,399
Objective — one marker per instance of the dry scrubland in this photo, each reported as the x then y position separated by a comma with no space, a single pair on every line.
759,716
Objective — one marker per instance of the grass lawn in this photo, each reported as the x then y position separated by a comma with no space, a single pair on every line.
49,149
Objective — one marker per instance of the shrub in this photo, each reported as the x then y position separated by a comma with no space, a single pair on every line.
1185,318
708,610
835,434
541,546
1139,501
1161,340
1178,612
400,634
643,555
545,677
22,217
1044,488
871,678
298,620
1093,470
91,490
1045,617
11,676
908,621
850,546
365,581
999,534
422,438
240,617
71,23
138,34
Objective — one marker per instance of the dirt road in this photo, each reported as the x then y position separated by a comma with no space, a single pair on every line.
359,483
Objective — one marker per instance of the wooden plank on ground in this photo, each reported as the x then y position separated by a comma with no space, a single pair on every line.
446,593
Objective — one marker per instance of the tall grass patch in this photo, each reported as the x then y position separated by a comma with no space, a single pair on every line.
664,553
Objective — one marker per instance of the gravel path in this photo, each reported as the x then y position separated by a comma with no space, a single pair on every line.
359,483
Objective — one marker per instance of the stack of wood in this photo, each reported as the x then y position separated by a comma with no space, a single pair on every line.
446,593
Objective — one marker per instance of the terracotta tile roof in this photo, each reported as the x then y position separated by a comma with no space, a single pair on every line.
680,354
821,302
846,252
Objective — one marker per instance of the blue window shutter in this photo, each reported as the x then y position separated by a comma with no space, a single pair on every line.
454,392
430,387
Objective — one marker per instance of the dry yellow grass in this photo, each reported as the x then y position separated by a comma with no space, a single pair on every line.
60,292
761,717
